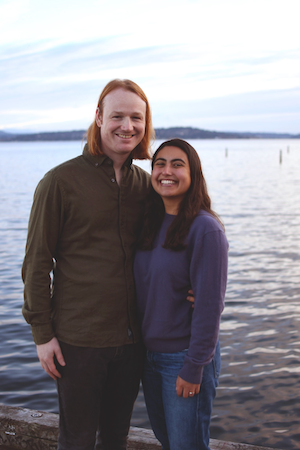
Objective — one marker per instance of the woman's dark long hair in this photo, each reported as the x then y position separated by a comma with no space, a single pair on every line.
195,199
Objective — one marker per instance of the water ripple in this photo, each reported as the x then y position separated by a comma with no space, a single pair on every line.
259,201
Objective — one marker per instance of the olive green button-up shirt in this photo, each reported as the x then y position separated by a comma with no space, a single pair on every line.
77,271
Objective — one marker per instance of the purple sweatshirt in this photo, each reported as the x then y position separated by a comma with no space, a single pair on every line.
163,278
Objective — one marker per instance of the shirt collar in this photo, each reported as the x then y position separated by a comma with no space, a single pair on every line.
98,160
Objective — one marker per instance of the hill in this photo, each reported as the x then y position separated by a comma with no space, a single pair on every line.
161,133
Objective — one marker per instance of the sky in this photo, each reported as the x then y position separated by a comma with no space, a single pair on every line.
226,65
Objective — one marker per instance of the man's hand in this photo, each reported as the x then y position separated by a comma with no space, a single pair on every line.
185,389
191,297
46,353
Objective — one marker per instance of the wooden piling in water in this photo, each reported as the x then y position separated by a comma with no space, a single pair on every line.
26,429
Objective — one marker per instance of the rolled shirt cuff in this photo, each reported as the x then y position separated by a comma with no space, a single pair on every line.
42,333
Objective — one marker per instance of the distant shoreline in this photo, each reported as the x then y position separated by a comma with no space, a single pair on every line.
161,133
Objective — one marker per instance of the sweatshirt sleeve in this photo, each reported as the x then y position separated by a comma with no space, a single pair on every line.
208,275
45,224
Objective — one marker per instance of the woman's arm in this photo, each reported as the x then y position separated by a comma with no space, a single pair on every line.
208,274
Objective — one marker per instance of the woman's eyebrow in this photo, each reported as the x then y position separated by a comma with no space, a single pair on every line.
172,160
178,159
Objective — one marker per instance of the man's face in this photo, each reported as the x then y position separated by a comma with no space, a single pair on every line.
122,124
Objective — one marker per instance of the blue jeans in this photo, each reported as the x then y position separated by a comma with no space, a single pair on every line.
179,423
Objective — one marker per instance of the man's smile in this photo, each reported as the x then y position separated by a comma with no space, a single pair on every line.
125,136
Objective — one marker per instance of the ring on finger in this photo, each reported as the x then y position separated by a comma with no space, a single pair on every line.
191,393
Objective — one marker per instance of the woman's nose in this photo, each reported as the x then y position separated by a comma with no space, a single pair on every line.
167,169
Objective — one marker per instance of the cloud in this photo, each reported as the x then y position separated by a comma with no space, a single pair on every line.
165,68
58,56
274,111
70,63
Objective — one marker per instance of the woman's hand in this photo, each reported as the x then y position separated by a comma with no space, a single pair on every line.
191,297
185,389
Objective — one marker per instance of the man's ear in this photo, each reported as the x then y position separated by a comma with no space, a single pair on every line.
98,118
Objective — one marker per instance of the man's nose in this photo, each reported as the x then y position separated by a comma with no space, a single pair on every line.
127,123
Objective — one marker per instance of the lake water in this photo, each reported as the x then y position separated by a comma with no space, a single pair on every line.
258,198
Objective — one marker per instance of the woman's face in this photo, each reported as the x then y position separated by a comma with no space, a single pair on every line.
171,176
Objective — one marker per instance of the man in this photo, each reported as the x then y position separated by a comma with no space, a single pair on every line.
82,230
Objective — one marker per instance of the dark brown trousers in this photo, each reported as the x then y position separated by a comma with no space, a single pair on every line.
96,396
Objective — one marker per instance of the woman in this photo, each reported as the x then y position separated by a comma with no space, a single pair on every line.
183,247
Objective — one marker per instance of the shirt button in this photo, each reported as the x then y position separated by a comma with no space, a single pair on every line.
96,164
112,180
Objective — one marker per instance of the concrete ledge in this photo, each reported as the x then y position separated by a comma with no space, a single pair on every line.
26,429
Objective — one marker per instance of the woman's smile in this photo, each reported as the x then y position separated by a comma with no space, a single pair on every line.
171,177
